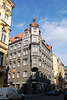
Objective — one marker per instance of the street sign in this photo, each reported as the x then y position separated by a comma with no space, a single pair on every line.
42,84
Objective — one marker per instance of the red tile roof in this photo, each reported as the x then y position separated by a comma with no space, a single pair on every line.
13,38
49,47
27,29
43,40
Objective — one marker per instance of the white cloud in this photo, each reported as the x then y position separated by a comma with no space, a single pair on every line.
20,25
64,12
55,34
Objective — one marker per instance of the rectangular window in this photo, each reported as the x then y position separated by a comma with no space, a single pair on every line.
18,75
11,47
35,61
3,38
26,42
34,39
39,74
39,63
1,58
14,64
10,65
25,62
35,49
18,64
0,15
15,46
33,75
19,45
10,56
13,76
19,54
14,55
6,18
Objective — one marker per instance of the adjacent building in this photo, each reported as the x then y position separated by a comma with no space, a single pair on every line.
58,67
6,7
65,77
30,61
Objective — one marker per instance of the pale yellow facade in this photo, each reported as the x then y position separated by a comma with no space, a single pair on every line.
58,73
6,7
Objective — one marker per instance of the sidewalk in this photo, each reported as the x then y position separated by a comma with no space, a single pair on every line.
33,94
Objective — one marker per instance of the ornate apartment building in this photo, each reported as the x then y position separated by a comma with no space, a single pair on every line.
6,7
58,67
30,61
65,77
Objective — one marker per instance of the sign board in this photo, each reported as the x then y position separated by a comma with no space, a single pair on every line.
42,84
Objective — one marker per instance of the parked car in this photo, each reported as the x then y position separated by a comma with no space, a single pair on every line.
65,95
9,93
57,92
53,92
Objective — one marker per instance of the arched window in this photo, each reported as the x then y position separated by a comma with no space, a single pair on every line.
18,74
25,74
9,76
13,76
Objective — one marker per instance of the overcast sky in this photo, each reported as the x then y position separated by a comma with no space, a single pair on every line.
51,15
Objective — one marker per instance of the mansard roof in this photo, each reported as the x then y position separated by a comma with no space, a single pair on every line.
19,36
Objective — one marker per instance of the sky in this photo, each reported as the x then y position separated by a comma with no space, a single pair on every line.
51,15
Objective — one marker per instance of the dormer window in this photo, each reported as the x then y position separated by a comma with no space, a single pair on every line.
26,32
16,38
9,41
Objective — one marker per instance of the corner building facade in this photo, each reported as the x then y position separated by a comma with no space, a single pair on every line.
30,61
6,7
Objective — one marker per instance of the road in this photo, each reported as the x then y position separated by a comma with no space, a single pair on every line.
44,97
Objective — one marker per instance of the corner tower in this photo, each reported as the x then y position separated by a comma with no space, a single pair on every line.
6,7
